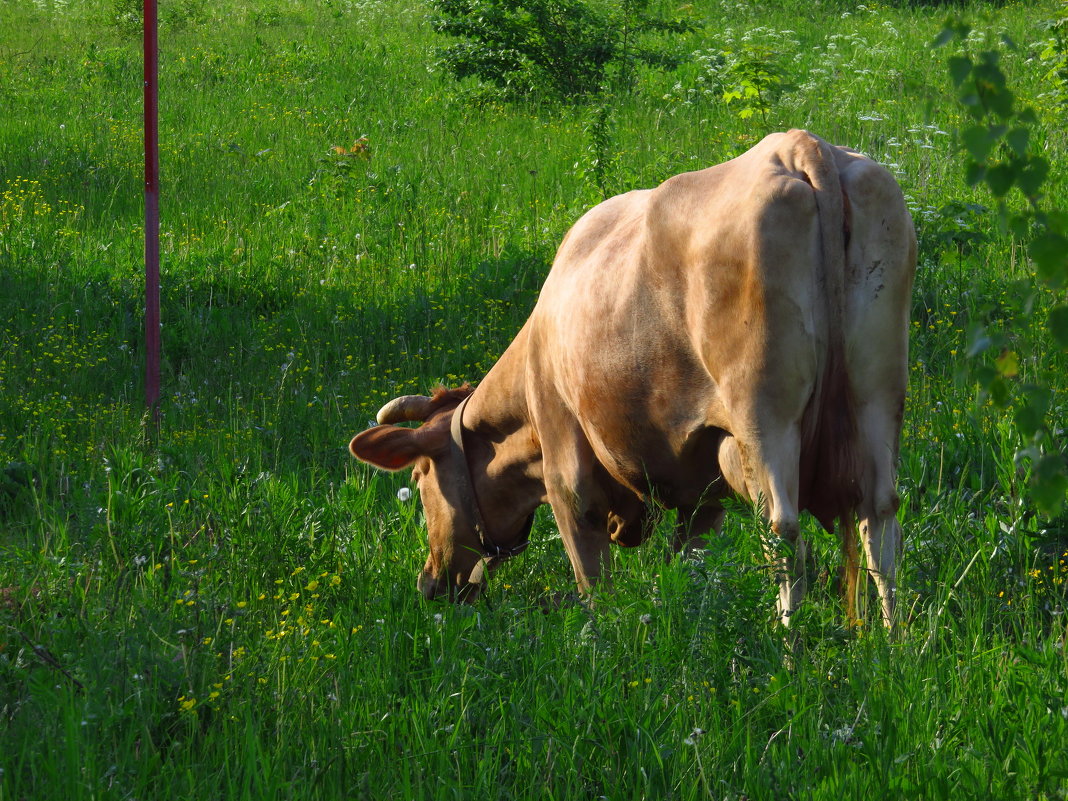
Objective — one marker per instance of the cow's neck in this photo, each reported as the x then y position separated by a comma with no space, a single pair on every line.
503,455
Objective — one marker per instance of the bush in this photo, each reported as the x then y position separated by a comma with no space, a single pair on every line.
566,48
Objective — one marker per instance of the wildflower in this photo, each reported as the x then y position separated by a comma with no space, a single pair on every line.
403,494
843,735
695,735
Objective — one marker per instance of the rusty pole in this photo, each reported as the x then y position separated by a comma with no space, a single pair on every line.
152,321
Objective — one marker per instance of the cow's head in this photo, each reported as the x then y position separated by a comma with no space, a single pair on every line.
459,549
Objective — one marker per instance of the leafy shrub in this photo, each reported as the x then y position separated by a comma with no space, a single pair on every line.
565,48
747,70
126,16
755,81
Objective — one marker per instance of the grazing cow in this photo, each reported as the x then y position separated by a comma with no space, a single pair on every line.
739,329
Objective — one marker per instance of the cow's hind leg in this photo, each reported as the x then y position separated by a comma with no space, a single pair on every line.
881,259
882,542
772,476
850,570
880,531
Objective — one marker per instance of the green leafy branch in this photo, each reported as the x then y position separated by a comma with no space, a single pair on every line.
1000,152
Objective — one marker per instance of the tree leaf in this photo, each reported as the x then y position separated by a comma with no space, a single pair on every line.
945,36
960,67
978,140
1008,364
1017,139
1001,101
1049,251
1058,325
978,341
1031,177
953,28
1028,420
999,391
1000,179
1049,483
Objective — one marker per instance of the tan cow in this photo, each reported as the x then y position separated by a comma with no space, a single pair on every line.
742,328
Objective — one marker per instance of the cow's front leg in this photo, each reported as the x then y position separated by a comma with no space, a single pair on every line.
584,536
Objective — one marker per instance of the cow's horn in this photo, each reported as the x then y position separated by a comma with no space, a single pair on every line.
404,409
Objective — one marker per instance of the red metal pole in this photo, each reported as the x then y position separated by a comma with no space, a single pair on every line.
152,321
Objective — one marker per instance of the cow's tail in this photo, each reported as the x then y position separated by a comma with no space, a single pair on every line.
835,489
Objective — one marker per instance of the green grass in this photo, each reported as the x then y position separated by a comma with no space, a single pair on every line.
226,608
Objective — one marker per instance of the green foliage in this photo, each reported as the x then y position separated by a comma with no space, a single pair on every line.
754,78
1055,55
126,16
599,161
564,48
1001,156
747,70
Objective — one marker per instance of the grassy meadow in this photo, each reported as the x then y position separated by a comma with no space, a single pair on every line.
225,607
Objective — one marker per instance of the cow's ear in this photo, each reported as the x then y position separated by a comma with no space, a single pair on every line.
396,447
386,447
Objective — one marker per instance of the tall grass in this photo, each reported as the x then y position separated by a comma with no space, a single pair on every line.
226,607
